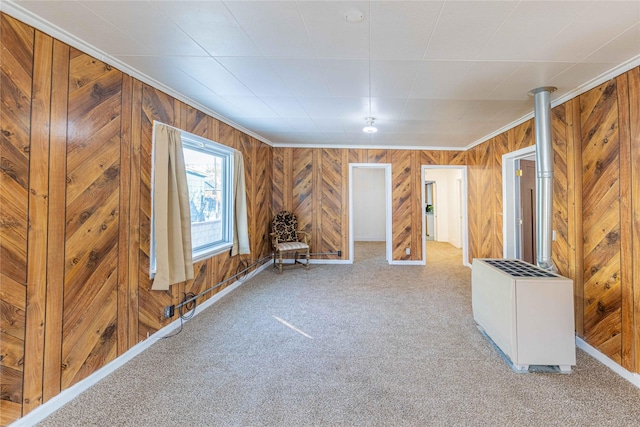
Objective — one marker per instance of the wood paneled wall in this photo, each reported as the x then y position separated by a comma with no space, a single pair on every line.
596,141
314,184
75,208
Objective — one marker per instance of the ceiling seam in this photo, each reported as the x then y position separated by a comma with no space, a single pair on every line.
317,59
415,77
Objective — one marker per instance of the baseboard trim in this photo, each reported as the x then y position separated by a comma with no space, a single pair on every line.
316,261
67,395
412,262
605,360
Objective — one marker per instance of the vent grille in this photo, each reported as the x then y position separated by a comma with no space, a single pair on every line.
518,268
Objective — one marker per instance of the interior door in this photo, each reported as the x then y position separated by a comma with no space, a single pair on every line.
528,210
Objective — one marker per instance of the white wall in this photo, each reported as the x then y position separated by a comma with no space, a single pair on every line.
447,206
368,204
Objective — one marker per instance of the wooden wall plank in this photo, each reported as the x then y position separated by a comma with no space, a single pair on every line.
197,123
226,266
16,75
377,156
316,199
247,148
560,246
485,221
278,176
12,326
433,157
480,208
38,214
357,155
282,179
200,281
228,135
124,215
262,191
56,231
416,206
302,191
345,204
626,228
500,148
288,180
13,296
522,136
92,217
332,207
574,165
155,106
401,203
601,218
177,291
134,212
16,79
634,122
458,158
472,203
214,129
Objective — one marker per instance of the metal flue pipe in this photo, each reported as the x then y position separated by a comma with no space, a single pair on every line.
544,169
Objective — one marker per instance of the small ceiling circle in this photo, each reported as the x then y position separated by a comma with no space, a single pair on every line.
354,16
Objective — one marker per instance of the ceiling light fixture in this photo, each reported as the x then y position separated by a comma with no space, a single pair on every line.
354,16
370,128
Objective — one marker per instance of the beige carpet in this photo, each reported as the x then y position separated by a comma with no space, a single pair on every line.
347,345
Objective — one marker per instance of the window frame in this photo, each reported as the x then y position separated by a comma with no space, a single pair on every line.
206,146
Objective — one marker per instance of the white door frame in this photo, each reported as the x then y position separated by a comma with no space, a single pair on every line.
510,201
387,192
465,230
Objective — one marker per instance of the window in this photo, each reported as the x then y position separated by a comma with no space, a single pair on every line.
209,169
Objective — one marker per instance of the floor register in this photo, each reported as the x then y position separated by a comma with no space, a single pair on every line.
526,311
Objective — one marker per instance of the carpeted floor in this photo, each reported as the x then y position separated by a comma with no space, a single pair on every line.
366,344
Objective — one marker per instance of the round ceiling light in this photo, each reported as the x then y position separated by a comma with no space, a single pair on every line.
354,16
370,128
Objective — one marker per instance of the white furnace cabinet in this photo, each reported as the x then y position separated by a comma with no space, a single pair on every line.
526,311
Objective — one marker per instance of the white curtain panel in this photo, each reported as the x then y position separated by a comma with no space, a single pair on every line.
240,227
171,214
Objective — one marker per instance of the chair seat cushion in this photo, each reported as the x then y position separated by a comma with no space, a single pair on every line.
292,246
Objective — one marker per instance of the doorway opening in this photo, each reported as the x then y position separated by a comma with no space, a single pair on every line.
370,205
519,207
444,213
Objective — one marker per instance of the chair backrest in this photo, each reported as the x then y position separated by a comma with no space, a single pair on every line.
285,225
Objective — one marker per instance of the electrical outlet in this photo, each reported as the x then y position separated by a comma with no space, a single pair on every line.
408,251
169,311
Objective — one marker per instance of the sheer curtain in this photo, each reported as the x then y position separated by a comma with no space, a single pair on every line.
171,213
240,226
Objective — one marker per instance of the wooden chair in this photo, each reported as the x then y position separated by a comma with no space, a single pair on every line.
286,237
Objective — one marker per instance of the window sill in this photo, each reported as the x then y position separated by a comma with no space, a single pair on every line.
202,255
208,253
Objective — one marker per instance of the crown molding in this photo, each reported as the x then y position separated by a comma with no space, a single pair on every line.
368,147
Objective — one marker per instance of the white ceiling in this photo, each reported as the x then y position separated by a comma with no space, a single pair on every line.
438,73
